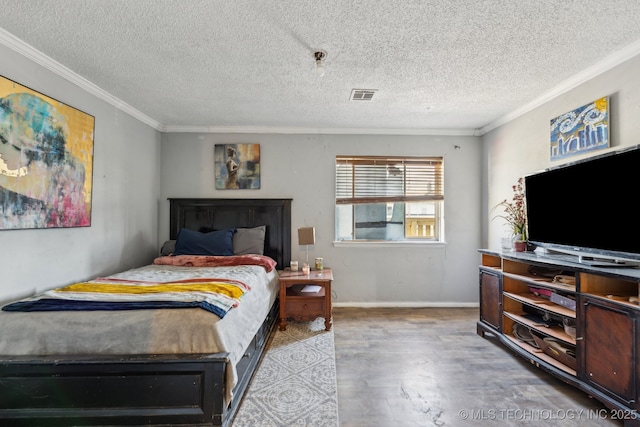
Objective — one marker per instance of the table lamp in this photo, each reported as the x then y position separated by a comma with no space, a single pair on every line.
307,236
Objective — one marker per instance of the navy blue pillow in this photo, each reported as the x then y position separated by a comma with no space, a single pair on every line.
189,242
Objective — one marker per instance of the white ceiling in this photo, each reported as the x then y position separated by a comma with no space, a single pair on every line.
460,66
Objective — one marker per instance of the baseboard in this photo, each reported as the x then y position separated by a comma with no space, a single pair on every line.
425,304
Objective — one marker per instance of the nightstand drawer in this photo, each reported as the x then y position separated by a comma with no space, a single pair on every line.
305,306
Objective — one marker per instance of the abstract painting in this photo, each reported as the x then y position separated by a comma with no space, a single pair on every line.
237,166
581,130
46,161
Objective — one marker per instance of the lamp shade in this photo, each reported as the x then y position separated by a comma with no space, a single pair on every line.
307,236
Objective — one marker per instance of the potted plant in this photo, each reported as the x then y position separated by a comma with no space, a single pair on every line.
516,216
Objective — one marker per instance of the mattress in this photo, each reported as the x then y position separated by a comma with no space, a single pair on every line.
153,331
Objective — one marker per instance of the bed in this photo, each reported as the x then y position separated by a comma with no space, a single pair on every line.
179,384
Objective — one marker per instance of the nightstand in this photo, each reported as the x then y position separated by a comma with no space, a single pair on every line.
299,299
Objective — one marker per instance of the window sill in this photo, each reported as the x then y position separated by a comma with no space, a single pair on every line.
388,243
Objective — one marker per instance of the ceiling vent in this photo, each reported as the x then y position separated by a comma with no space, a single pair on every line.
362,94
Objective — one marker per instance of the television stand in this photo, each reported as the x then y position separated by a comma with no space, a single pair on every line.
593,343
604,263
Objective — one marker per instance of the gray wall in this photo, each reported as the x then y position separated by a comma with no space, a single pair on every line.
136,169
126,184
522,146
302,167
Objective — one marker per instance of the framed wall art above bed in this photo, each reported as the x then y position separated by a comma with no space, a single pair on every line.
237,166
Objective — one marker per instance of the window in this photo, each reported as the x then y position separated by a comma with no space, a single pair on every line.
389,198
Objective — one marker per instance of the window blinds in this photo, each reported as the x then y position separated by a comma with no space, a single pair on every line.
372,179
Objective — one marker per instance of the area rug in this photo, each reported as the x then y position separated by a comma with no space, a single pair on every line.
295,384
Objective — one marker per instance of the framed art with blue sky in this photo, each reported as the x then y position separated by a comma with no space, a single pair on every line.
581,130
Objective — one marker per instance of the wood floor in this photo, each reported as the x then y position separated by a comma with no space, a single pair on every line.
428,367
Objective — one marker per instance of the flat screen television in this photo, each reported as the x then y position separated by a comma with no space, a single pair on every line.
588,208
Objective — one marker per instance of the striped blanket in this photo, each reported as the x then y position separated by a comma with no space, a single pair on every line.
217,296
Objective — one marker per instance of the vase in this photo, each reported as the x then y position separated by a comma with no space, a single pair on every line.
519,245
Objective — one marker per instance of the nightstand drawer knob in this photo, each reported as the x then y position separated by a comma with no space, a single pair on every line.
305,306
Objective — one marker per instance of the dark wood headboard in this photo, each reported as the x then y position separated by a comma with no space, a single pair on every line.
221,214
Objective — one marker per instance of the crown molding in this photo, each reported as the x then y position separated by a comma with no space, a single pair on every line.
19,46
606,64
14,43
28,51
313,131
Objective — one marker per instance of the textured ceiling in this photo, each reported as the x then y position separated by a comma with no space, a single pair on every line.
241,64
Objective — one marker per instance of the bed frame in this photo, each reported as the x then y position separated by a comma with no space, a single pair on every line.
152,390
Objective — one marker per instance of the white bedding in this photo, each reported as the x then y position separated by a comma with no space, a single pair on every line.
158,331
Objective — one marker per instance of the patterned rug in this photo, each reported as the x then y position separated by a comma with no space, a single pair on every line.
295,385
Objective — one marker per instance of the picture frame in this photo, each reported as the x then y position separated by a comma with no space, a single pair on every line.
46,160
237,166
581,130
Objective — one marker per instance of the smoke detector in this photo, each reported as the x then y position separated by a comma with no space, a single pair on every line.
320,56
